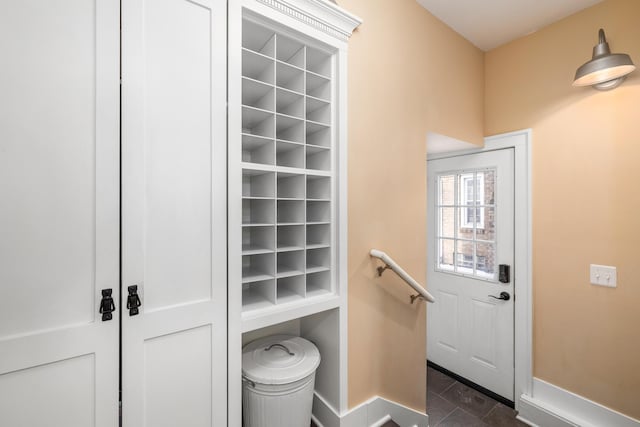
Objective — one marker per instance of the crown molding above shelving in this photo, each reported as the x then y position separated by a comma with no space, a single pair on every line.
321,14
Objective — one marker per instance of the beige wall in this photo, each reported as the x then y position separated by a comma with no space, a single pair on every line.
586,200
408,74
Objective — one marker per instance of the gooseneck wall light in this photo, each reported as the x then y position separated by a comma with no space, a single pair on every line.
606,70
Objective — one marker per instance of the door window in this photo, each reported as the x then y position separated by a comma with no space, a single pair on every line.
466,207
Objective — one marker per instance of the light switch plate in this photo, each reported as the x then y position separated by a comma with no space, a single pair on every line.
604,275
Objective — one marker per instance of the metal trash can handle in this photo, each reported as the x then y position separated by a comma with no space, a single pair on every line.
280,345
248,381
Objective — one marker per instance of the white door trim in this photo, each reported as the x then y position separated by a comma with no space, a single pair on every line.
520,141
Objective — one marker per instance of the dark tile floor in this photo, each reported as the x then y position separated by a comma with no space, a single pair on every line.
452,404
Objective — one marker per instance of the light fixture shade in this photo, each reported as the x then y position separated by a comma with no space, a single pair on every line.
606,70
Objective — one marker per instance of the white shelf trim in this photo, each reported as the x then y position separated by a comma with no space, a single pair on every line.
325,16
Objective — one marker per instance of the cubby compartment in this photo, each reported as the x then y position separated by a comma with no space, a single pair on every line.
258,212
289,154
258,240
290,263
318,87
257,94
291,186
318,62
290,238
323,330
318,158
318,260
318,211
258,295
257,149
318,134
289,129
257,267
257,38
258,67
289,103
318,236
289,77
257,183
319,283
318,187
257,122
290,51
291,289
290,211
318,111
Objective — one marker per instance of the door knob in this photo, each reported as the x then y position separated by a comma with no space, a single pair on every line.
503,296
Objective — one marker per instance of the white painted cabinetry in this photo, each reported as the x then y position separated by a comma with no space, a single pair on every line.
287,184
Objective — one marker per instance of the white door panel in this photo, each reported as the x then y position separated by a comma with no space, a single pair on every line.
174,212
447,311
59,212
470,234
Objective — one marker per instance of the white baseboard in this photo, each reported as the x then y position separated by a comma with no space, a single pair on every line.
552,406
372,413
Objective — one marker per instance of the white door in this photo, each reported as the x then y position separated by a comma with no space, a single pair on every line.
174,234
59,210
471,234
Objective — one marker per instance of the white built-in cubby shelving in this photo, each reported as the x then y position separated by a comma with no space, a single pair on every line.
287,169
287,202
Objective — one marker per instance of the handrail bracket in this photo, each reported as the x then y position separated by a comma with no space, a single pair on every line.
415,297
382,269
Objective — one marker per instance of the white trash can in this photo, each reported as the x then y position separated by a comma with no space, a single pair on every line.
278,375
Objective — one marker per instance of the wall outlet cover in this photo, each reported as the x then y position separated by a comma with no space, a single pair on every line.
603,275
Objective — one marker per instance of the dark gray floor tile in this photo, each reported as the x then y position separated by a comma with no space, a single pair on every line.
469,399
502,416
438,382
461,418
438,408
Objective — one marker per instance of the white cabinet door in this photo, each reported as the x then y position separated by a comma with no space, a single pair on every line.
174,234
59,212
471,220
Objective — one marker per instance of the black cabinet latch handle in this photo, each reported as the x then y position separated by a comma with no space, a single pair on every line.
133,300
107,306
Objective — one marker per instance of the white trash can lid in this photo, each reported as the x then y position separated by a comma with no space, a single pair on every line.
279,359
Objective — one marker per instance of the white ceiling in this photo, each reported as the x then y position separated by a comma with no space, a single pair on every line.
491,23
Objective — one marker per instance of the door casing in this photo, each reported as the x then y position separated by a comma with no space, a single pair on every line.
520,141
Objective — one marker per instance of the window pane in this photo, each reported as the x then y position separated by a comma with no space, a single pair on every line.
465,222
486,224
485,260
446,249
446,189
465,189
468,191
447,222
464,257
487,192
